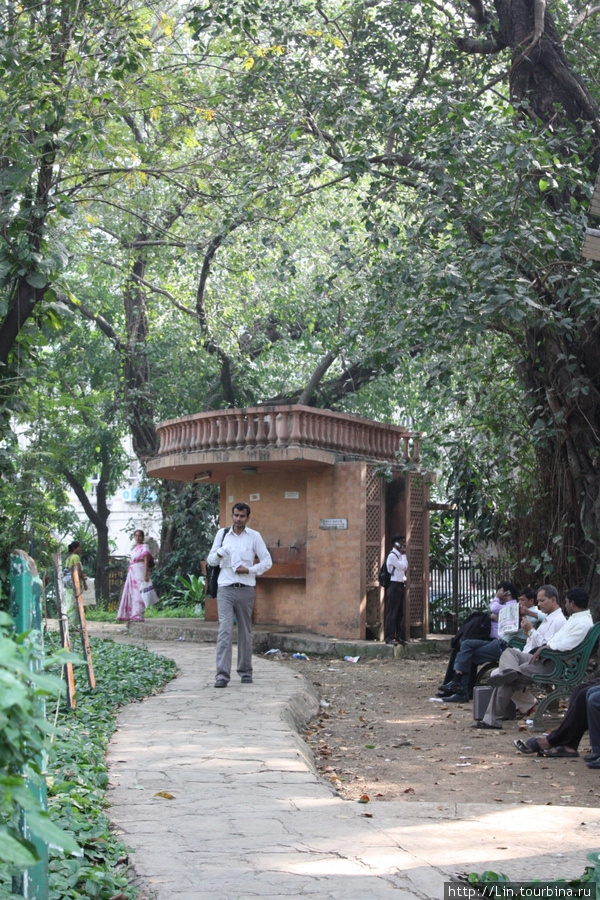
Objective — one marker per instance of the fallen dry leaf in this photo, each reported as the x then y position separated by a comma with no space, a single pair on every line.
165,795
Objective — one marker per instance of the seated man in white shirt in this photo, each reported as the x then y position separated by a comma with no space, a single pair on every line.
516,668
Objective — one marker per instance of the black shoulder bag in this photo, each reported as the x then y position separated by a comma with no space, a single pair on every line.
212,574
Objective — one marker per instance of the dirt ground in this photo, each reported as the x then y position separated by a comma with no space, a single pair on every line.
379,733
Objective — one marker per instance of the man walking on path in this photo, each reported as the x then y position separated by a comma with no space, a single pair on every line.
234,550
396,564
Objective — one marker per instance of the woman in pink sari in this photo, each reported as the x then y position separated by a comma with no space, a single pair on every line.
132,607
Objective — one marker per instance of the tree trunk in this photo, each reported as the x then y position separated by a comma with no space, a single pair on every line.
560,368
136,367
103,553
99,519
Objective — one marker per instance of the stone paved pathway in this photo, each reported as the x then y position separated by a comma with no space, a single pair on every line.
250,818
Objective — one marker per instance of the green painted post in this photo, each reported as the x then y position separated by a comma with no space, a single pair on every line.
26,609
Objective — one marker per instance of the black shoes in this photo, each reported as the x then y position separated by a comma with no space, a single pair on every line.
482,724
246,679
452,687
529,746
457,698
220,682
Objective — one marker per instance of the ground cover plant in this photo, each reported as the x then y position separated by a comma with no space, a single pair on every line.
180,611
22,742
77,770
492,882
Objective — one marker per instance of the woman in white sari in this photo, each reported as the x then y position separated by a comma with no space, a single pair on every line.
132,607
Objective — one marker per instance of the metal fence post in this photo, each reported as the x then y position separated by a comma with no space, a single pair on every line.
455,569
26,609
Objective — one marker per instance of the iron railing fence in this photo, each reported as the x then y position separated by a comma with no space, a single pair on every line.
117,573
449,605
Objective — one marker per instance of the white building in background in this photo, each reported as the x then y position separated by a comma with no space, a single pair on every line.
126,513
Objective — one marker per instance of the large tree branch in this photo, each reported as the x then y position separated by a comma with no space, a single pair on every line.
349,382
477,45
580,19
315,379
104,326
214,245
25,297
83,498
25,300
334,150
479,13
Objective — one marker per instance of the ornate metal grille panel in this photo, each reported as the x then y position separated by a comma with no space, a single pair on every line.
374,526
373,522
373,486
416,550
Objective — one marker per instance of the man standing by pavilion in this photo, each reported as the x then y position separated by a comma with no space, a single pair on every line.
396,564
234,550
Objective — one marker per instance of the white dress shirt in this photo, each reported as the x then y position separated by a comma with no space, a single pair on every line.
552,624
572,634
397,564
236,550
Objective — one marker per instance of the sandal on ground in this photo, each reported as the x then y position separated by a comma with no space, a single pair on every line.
560,753
531,745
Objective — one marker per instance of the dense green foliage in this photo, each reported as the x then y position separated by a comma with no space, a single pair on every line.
366,206
23,740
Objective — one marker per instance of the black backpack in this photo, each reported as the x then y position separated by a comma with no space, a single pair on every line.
212,574
385,578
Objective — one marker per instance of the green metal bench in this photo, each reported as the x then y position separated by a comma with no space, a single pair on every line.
568,670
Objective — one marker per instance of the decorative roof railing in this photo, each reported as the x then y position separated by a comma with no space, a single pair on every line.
278,427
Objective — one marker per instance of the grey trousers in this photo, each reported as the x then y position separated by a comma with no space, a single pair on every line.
499,706
238,602
518,663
